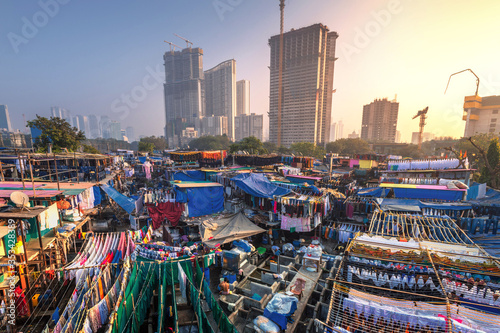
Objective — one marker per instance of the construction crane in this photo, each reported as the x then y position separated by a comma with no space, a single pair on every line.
280,74
465,70
184,39
172,44
423,115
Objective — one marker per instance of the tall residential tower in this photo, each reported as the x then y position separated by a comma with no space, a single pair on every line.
183,90
220,93
380,120
307,85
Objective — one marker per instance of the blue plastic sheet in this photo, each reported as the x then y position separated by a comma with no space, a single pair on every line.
257,185
415,193
97,195
371,192
205,200
189,175
180,195
128,204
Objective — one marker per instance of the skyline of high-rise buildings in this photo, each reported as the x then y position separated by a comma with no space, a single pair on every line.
307,85
380,120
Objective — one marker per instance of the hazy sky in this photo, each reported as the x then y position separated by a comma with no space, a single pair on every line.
92,56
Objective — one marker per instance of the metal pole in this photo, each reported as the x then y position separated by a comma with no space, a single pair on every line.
31,174
57,173
21,167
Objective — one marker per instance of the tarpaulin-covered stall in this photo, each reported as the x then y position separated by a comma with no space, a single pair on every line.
258,185
227,229
202,198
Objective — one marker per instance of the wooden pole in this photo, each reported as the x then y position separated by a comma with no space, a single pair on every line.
1,171
21,167
26,273
76,164
48,167
57,173
40,241
31,174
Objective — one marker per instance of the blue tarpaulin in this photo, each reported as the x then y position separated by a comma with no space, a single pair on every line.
142,159
205,200
97,195
189,175
371,192
257,185
128,204
416,193
201,200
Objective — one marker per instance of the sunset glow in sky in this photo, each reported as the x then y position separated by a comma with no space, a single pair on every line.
86,56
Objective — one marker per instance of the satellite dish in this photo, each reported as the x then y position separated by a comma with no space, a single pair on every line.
20,199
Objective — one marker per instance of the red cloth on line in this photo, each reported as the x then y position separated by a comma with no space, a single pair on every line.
171,211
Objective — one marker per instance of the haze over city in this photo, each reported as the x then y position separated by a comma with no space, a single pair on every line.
88,56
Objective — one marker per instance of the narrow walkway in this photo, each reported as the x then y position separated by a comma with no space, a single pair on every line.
311,279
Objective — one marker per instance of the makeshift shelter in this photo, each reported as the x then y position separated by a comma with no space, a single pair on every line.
228,229
202,198
258,185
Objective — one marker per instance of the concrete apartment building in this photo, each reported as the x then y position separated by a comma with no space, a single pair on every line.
481,115
214,125
183,91
242,97
249,125
380,119
220,93
307,85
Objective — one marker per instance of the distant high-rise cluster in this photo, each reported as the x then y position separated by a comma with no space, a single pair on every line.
380,120
94,126
201,102
307,85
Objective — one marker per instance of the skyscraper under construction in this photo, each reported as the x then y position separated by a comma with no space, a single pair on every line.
307,85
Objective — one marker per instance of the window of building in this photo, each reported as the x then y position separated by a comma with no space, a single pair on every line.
494,120
495,112
492,130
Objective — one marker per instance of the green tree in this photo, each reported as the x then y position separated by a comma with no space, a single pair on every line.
158,142
90,149
410,151
348,146
146,146
270,147
58,132
308,149
490,173
210,142
250,144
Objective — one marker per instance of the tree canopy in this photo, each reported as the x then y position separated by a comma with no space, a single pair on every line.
210,142
308,149
348,146
58,132
250,144
151,143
